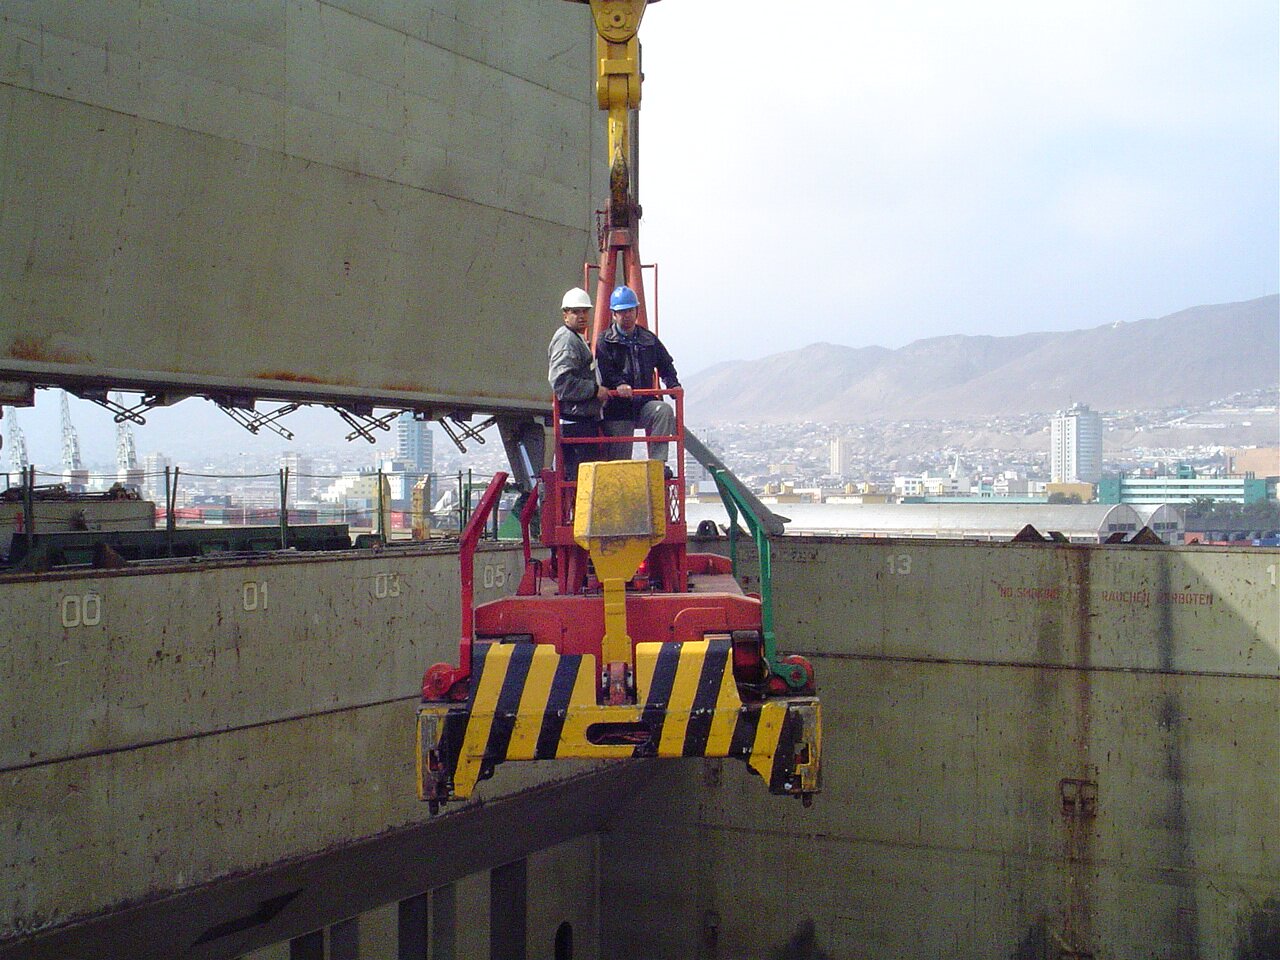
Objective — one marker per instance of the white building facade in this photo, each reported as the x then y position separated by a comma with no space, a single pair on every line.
953,484
154,466
840,459
1076,446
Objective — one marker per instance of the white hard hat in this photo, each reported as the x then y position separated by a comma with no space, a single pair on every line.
575,298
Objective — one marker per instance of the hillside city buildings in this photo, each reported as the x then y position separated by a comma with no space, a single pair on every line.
1010,460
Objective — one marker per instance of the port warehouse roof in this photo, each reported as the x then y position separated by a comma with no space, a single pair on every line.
1081,523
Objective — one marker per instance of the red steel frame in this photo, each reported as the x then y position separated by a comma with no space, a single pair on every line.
667,560
618,241
443,680
587,270
570,619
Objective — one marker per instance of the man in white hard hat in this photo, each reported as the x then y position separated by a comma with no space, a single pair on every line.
571,371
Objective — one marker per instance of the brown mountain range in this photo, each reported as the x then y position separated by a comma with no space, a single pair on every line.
1186,358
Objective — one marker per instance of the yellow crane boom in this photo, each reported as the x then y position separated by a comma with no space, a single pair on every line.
618,80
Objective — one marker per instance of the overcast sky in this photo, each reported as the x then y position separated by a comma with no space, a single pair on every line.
893,171
905,170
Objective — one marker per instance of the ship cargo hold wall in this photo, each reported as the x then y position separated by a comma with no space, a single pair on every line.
323,200
181,744
1031,749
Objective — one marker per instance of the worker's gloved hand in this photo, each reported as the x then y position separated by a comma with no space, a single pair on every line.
624,390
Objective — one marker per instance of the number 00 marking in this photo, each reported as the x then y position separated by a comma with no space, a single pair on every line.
81,610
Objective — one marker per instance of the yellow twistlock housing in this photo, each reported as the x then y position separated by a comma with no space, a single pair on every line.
620,512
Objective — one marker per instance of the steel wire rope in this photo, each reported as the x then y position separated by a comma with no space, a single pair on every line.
233,476
98,522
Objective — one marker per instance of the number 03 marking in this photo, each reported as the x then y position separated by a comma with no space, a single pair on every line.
386,585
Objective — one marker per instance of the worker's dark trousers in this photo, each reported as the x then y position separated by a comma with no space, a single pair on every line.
574,454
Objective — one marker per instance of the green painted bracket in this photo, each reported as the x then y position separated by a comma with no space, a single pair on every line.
734,503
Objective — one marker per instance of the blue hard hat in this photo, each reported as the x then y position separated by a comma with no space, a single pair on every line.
623,298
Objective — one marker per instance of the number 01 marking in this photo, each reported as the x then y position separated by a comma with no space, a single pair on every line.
899,564
1271,569
254,596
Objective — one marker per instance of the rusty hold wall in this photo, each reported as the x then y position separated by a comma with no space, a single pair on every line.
1032,751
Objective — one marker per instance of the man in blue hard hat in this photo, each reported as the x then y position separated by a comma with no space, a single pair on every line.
627,356
571,371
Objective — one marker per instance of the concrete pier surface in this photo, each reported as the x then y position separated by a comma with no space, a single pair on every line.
1030,749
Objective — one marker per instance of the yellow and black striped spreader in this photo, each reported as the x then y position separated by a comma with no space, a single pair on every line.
528,702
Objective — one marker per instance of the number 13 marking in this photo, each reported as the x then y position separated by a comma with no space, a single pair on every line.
899,564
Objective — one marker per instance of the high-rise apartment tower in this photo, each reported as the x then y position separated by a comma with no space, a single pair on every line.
1076,445
414,443
840,462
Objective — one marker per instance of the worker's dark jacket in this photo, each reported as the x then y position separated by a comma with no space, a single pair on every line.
632,360
571,373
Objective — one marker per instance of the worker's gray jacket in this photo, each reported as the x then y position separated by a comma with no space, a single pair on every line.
572,375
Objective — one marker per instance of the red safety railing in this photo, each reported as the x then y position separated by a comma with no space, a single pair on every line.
563,492
466,557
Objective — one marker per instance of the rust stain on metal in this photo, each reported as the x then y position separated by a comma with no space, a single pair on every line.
1080,801
1079,797
405,387
504,395
291,377
39,350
